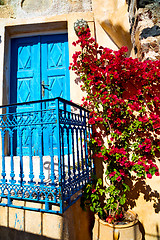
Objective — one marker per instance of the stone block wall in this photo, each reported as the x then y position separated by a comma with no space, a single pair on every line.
144,16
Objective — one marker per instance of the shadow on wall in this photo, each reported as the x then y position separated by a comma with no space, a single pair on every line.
137,187
73,224
153,236
12,234
140,186
148,235
118,35
149,195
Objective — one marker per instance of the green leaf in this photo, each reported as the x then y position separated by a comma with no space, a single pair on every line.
101,191
99,181
92,208
122,200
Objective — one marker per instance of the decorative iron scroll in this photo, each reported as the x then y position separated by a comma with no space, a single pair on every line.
28,118
44,153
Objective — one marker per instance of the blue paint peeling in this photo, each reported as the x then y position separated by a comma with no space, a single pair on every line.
40,229
18,222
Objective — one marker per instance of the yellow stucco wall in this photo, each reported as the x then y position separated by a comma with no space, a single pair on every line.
22,27
74,224
112,16
148,207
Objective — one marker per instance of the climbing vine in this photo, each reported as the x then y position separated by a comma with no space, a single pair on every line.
123,96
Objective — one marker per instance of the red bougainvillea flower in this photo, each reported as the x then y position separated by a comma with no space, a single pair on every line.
109,219
149,175
123,99
93,190
112,174
119,179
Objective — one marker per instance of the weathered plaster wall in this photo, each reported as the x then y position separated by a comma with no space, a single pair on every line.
112,16
19,13
29,8
16,224
10,27
6,11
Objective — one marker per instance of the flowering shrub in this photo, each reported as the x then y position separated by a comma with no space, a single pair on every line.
123,96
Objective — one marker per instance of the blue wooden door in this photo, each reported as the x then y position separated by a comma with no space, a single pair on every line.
55,77
36,62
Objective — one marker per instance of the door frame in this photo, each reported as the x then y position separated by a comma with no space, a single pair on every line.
22,29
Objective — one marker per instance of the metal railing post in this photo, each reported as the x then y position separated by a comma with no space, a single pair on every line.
59,156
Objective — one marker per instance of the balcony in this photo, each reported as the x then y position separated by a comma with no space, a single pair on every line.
44,154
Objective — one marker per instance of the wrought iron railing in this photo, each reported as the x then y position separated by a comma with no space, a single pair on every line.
44,153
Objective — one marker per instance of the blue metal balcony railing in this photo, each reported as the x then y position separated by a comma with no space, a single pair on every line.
44,154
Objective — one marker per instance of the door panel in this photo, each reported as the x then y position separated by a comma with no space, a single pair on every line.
25,76
56,83
55,75
37,60
55,63
25,66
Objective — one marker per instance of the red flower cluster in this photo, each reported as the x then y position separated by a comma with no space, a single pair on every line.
123,96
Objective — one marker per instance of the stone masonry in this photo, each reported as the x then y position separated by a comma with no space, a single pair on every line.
144,16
